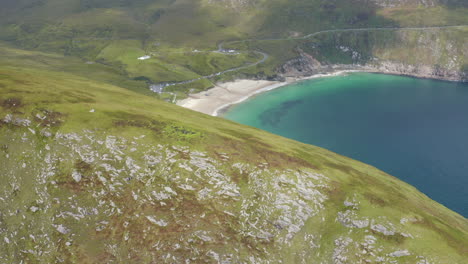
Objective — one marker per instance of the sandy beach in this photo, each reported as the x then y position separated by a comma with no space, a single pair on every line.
223,95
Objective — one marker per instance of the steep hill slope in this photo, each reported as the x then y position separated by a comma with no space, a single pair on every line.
437,52
95,173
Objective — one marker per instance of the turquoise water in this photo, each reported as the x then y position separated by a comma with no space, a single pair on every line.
414,129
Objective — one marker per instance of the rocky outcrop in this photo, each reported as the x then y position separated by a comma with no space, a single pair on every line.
423,71
125,193
304,65
301,67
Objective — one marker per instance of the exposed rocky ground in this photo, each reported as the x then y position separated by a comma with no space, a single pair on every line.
92,195
197,212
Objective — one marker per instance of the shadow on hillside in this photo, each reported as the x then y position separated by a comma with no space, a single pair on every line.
307,16
454,3
350,47
302,17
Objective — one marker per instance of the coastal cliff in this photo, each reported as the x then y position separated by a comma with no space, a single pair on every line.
304,67
422,71
437,54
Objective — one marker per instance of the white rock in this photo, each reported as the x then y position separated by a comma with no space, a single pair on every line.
135,196
8,118
205,238
360,223
348,203
400,253
169,190
407,235
156,222
62,229
46,133
160,195
382,229
76,176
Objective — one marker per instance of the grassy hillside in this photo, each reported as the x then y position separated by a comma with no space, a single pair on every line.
114,33
93,172
95,169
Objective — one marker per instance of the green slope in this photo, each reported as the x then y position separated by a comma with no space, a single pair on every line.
115,33
93,172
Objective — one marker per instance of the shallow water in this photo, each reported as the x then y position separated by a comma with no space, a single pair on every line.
414,129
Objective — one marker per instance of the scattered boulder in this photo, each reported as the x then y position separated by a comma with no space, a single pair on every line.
400,253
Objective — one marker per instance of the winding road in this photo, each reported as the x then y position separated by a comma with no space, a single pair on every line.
265,56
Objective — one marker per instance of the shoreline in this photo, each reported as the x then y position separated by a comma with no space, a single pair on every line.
224,107
222,96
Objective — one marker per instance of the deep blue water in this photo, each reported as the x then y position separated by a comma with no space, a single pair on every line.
414,129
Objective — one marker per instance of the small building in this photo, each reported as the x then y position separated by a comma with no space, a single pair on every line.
144,57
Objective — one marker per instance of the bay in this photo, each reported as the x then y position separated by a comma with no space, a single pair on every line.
414,129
